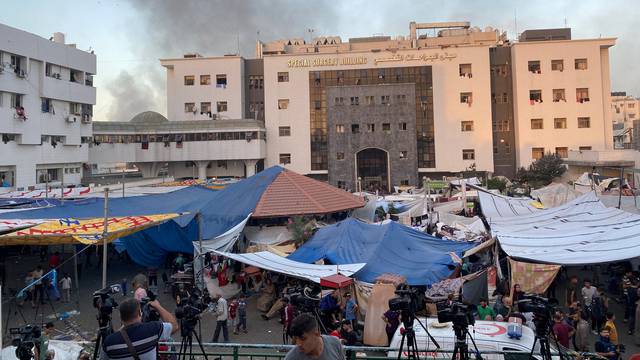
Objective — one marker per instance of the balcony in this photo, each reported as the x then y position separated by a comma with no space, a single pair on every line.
68,91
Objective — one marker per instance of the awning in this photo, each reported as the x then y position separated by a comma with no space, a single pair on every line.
271,262
484,246
17,224
336,281
88,231
496,206
582,231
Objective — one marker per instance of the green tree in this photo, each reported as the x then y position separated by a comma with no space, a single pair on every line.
496,183
542,171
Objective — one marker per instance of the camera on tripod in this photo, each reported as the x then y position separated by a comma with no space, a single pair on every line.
103,301
26,340
541,307
148,312
193,305
408,300
306,299
461,315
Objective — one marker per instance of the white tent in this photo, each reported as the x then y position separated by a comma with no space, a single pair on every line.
499,206
582,231
272,262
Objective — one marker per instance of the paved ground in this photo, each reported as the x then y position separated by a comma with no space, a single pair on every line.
85,325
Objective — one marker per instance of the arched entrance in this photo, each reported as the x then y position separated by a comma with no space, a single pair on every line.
372,167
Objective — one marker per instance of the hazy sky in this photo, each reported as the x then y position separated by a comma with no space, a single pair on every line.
129,36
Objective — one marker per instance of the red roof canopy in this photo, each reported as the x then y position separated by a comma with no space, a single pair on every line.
294,194
337,281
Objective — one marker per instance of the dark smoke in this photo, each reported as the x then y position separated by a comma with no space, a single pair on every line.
132,95
215,27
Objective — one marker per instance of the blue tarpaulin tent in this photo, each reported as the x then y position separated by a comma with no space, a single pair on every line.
390,248
219,211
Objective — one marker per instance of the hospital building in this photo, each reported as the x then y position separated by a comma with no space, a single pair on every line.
383,111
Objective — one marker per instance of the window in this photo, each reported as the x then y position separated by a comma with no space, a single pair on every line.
386,127
256,81
404,182
535,96
584,148
342,184
537,124
560,123
581,64
189,107
632,116
631,105
558,95
507,147
381,74
355,100
340,128
221,81
205,79
283,104
340,156
466,125
465,70
339,101
47,105
534,67
402,126
205,107
317,105
283,77
562,152
466,98
403,154
505,98
355,128
468,154
189,80
514,356
537,153
401,99
285,159
284,131
584,122
557,65
582,95
371,127
75,108
221,106
384,100
368,100
16,100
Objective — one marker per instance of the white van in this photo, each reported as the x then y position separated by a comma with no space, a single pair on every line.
488,335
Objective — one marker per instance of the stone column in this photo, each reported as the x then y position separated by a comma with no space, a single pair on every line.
202,169
148,169
250,167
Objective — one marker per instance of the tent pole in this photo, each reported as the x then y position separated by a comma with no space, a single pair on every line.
75,273
620,188
200,256
104,238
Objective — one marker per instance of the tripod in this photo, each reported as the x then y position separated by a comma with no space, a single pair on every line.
409,336
542,336
187,331
461,348
105,329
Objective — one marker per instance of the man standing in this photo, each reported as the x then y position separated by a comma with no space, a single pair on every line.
588,292
222,314
310,344
582,335
328,308
562,330
350,310
572,290
138,340
604,346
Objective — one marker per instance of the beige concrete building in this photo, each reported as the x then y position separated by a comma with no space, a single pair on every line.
624,111
382,111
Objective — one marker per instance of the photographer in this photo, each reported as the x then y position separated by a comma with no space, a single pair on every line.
145,336
310,344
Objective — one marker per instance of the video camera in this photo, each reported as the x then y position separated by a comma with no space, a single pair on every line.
408,300
148,312
103,301
458,313
26,340
193,305
305,299
538,305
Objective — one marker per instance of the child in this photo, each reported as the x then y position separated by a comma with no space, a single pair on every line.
233,312
242,315
65,283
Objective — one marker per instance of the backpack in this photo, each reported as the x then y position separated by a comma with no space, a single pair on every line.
597,308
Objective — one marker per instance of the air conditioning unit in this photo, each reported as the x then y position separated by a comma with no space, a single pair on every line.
72,118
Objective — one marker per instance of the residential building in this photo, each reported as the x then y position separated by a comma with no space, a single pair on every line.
624,111
46,108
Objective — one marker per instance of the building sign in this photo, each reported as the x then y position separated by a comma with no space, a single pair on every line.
415,57
297,63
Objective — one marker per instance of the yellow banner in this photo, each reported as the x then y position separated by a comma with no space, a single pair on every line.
86,231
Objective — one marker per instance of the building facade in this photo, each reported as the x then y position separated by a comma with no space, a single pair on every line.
46,108
624,111
371,113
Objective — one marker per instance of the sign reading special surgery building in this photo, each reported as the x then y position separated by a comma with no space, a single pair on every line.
295,63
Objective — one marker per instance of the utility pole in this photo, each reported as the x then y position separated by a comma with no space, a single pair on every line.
105,231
